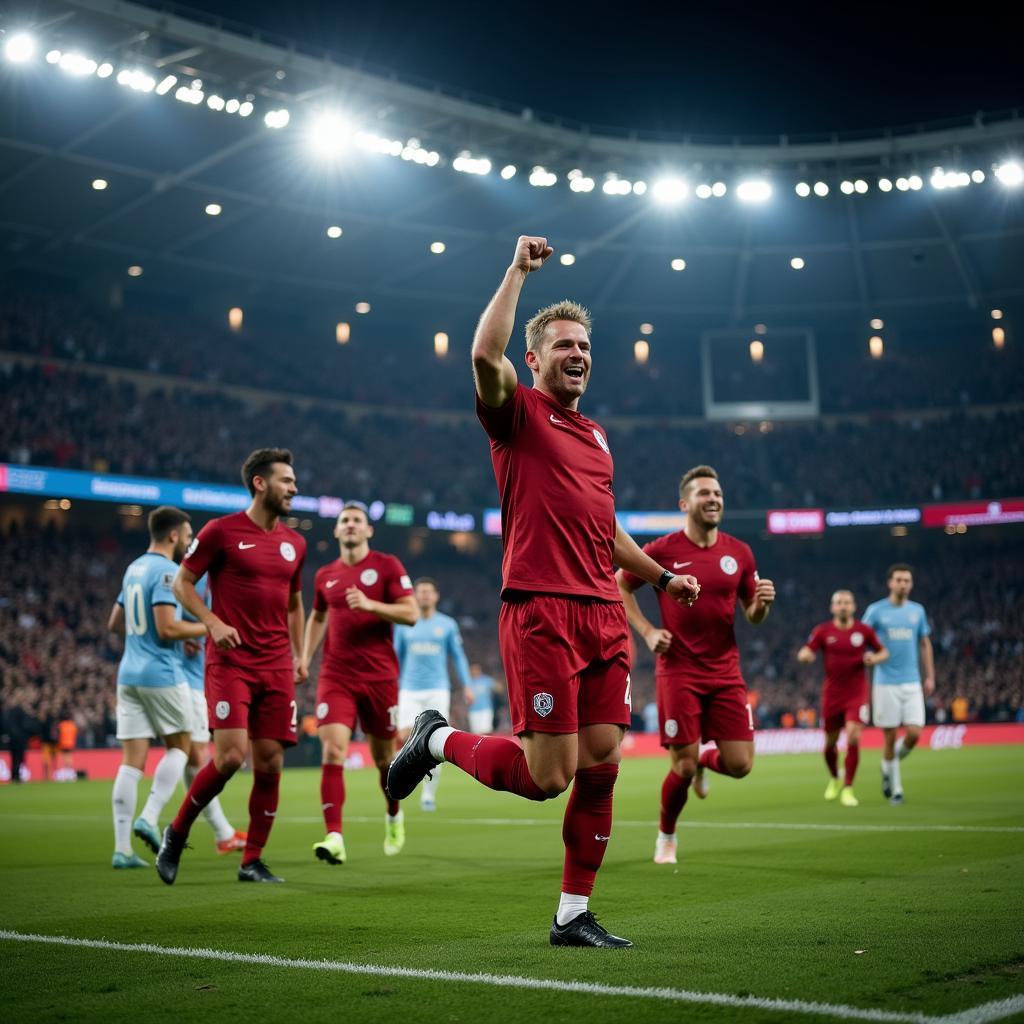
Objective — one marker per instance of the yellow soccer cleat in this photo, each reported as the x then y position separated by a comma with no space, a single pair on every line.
833,789
394,835
331,849
847,799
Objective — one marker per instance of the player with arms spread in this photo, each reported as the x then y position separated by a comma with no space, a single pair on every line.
847,646
898,690
701,694
358,599
252,661
564,638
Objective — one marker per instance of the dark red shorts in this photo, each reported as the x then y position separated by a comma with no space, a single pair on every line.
835,715
261,701
371,702
566,663
690,711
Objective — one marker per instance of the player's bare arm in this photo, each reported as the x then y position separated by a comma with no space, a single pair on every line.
805,656
316,626
115,623
170,628
404,612
222,635
630,556
927,665
296,617
764,598
493,371
658,640
876,657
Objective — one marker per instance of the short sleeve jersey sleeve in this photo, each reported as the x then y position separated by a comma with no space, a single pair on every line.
205,549
652,548
503,422
748,581
871,638
399,584
319,593
161,590
816,640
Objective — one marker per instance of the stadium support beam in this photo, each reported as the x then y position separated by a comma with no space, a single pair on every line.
956,253
739,288
859,270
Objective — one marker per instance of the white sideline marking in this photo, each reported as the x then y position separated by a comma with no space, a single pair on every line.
976,1015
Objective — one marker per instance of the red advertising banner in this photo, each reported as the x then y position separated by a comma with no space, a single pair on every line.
974,513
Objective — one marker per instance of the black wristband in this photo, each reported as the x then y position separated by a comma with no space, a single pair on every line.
665,579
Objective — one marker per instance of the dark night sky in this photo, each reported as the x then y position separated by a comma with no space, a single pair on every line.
755,69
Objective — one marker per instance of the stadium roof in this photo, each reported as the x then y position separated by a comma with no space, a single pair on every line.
209,201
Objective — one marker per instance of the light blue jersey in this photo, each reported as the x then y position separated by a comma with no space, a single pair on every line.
423,652
194,666
483,693
148,660
900,628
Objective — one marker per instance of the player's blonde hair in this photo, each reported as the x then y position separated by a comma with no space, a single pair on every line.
564,310
692,474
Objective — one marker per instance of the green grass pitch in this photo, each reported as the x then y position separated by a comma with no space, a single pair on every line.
926,919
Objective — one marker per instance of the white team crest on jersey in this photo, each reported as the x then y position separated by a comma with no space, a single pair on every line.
671,728
406,583
857,639
192,548
222,710
287,551
728,565
368,577
543,703
599,437
321,709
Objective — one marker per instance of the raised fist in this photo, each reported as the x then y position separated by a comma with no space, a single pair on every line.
531,252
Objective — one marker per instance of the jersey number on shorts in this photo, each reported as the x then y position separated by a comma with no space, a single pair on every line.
750,717
295,716
629,693
134,610
393,716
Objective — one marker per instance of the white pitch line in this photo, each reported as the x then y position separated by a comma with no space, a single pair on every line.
977,1015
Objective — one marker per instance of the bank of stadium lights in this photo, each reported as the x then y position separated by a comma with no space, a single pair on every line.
415,152
754,190
540,177
580,182
670,191
334,231
20,48
466,163
1010,174
613,185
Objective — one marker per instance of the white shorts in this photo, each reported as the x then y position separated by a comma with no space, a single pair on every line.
412,702
897,704
481,722
146,712
200,717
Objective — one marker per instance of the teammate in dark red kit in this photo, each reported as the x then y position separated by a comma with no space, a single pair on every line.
252,661
563,635
358,598
700,691
848,647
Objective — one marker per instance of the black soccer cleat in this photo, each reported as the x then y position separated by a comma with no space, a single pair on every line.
886,784
169,854
257,871
584,930
414,762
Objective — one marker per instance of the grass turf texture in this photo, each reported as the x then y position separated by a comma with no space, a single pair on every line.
775,913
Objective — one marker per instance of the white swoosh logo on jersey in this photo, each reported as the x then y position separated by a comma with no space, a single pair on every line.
681,565
555,419
330,583
245,547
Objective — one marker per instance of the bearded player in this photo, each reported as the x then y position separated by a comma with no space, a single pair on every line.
564,638
358,600
701,694
253,658
848,647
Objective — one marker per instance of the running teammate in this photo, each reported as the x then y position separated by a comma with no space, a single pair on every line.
700,691
255,566
152,695
481,710
898,689
358,599
228,840
847,646
424,651
563,635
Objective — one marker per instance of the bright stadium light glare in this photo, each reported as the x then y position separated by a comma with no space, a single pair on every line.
245,109
915,182
99,184
567,259
678,264
885,185
802,189
53,56
876,346
334,231
1010,174
342,332
753,191
977,177
581,183
231,107
877,324
902,184
329,135
719,189
437,248
77,64
215,102
670,191
362,308
997,314
820,188
466,163
639,188
167,83
272,118
213,209
508,171
616,186
797,263
541,178
135,271
641,351
20,48
998,337
861,186
105,70
647,328
846,187
440,344
756,351
702,191
236,318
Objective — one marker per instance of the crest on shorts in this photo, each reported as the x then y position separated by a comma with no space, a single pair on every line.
222,710
368,577
728,565
321,709
865,714
671,728
287,551
857,639
599,437
543,703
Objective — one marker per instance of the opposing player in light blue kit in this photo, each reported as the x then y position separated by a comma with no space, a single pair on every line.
900,684
423,652
229,840
152,696
481,711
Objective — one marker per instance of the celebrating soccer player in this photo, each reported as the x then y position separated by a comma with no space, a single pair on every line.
898,691
701,694
847,647
562,632
152,695
358,598
253,658
423,652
